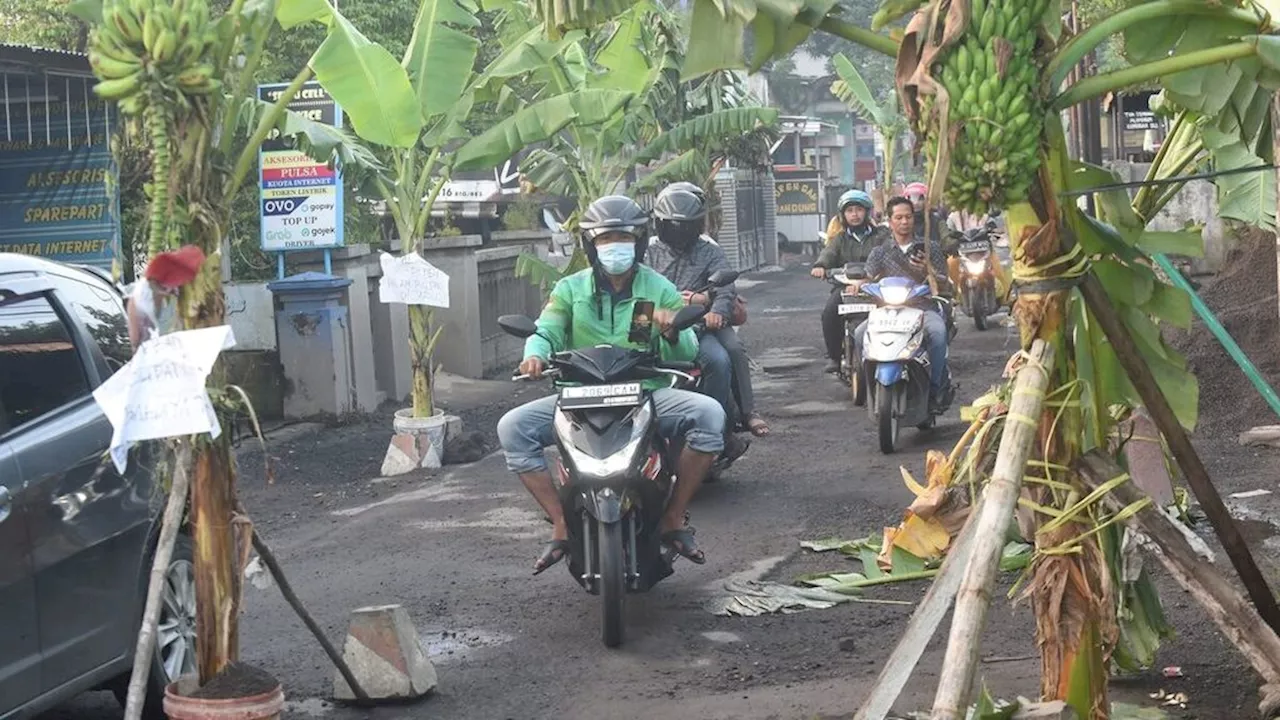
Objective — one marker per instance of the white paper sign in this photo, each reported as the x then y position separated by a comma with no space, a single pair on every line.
161,393
413,281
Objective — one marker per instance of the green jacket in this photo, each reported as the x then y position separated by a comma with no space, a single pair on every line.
580,314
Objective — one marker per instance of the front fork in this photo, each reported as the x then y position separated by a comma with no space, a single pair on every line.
591,551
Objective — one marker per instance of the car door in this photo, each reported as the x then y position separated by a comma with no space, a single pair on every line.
19,643
87,526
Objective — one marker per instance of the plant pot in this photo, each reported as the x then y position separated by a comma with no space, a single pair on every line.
178,706
418,442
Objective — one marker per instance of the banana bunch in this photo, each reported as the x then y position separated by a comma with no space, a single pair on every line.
153,45
992,76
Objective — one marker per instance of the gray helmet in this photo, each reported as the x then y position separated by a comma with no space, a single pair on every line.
614,213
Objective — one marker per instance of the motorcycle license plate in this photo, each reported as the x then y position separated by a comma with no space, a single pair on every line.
893,322
975,247
856,308
599,396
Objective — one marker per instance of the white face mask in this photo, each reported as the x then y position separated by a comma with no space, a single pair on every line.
617,258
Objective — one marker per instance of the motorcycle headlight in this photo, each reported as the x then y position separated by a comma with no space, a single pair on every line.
975,267
895,295
616,463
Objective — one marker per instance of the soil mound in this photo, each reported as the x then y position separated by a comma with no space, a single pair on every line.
1243,297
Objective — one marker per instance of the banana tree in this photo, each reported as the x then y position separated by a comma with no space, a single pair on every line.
173,71
853,91
982,81
680,129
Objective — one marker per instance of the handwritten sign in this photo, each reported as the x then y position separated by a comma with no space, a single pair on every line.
413,281
161,392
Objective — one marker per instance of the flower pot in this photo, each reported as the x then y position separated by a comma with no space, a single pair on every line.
179,706
418,442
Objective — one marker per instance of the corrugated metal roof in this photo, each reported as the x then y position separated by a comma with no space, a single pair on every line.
39,59
37,49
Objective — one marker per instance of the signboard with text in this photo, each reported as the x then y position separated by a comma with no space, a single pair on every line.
797,197
301,199
55,169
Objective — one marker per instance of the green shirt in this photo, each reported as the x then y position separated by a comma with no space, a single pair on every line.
581,315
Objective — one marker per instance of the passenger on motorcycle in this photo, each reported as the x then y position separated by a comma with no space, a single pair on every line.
617,301
687,258
902,258
918,194
853,243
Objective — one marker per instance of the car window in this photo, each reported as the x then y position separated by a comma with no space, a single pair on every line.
102,313
40,370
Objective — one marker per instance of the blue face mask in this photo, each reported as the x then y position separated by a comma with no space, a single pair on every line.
617,258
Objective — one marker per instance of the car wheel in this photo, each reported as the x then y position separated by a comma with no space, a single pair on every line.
175,652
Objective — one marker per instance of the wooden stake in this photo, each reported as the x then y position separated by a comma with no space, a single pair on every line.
1104,313
923,624
1228,609
269,559
1021,426
144,651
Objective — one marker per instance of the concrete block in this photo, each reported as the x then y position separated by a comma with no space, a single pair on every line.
385,655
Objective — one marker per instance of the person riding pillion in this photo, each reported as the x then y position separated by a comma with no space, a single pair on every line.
854,242
622,302
904,257
687,258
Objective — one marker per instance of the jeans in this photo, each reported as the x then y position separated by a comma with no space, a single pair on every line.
935,343
833,327
742,390
717,372
527,430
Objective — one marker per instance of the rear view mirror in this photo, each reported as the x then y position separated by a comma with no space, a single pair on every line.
518,325
688,315
720,278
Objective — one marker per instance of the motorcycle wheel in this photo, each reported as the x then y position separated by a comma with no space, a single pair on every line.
857,388
887,421
613,588
980,321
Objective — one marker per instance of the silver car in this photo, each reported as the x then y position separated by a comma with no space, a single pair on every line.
75,536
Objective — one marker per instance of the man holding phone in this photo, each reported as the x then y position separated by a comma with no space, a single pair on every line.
905,257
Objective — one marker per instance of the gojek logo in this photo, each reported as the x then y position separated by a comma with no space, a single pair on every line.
273,207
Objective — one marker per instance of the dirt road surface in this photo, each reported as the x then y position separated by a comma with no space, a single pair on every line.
456,551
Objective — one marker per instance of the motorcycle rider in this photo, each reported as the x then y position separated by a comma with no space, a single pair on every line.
605,304
687,257
903,257
854,242
918,194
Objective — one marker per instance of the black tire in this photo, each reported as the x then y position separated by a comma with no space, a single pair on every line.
157,679
980,321
886,421
613,584
857,388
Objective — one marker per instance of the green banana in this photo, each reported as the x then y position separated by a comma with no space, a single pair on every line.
118,88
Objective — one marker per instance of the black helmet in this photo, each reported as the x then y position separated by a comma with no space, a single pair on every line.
680,204
614,213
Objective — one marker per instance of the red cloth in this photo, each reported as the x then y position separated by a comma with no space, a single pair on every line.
176,267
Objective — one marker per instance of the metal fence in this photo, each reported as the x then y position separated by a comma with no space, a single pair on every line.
501,292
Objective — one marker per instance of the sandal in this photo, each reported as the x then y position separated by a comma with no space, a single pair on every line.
757,425
682,542
555,551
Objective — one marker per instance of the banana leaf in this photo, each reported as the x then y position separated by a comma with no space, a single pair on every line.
691,166
853,91
441,53
320,141
701,130
537,123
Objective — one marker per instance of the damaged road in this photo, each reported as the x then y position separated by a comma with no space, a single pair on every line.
456,551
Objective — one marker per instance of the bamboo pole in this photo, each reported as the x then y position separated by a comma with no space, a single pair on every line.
923,624
1022,424
1180,445
1228,609
144,651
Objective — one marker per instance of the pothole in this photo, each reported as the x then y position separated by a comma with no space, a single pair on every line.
447,645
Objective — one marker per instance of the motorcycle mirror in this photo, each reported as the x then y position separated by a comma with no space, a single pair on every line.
688,315
518,325
720,278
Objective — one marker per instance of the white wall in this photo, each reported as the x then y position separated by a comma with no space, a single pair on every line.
251,315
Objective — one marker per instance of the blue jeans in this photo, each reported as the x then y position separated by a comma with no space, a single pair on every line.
526,431
935,343
717,372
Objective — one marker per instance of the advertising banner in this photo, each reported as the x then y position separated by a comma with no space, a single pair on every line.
301,199
56,170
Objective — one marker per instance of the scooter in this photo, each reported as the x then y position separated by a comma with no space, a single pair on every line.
977,273
615,472
855,307
896,361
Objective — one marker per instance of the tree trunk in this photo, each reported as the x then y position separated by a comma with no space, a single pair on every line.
216,558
